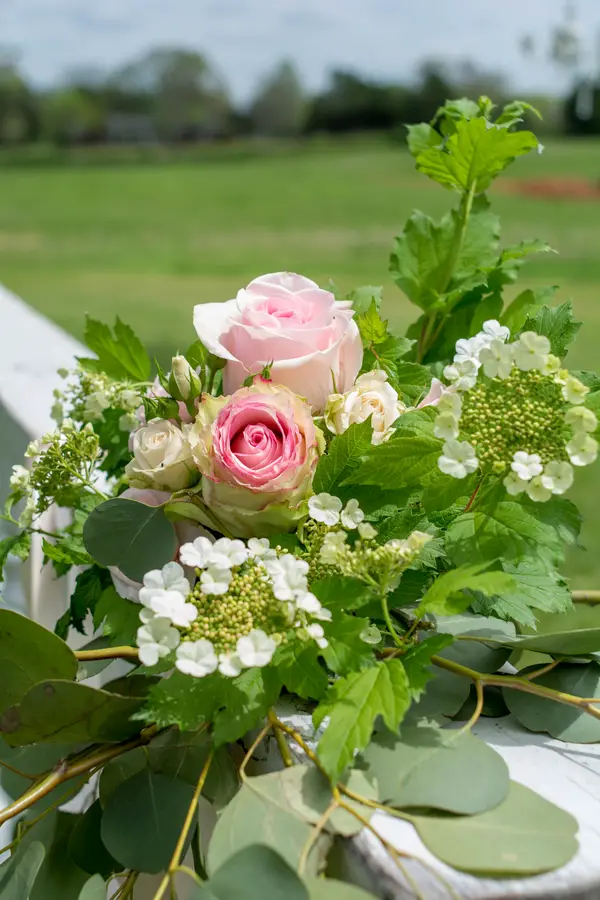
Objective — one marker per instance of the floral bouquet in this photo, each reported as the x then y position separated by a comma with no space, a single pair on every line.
317,541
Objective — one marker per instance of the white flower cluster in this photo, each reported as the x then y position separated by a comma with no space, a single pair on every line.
171,605
327,509
503,362
89,394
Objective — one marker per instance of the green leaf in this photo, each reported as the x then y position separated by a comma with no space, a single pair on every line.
419,261
411,380
143,818
85,845
160,408
89,587
442,599
417,661
329,889
120,618
443,493
347,652
17,544
18,874
300,671
130,535
121,354
479,656
525,304
567,723
524,835
340,592
353,703
373,329
29,654
94,889
69,712
408,458
420,137
252,813
58,877
428,767
557,324
254,873
575,634
444,695
362,297
472,157
344,454
537,587
32,760
245,701
65,555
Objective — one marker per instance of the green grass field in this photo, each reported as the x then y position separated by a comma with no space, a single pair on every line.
148,242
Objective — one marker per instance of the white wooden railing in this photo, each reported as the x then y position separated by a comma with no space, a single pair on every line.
31,350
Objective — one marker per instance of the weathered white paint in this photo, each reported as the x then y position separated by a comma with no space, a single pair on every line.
31,350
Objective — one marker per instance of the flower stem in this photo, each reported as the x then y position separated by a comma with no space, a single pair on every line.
586,596
388,620
282,744
108,653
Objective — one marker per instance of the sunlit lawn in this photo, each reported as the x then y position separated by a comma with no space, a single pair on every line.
149,242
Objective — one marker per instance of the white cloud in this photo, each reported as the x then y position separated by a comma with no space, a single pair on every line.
244,38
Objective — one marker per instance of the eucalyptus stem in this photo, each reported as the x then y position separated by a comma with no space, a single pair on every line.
586,596
282,744
15,771
314,835
517,683
108,653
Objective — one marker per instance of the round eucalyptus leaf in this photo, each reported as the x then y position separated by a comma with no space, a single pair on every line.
18,873
85,844
441,769
94,889
444,695
142,820
120,770
69,711
575,633
255,873
29,654
130,535
476,654
494,705
524,835
567,723
328,889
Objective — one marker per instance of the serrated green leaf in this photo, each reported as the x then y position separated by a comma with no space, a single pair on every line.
89,588
442,599
373,329
347,652
362,297
557,324
120,355
342,593
65,555
29,654
443,493
417,661
18,545
143,818
537,587
130,535
525,304
419,261
119,618
420,137
160,408
300,670
474,155
344,454
428,767
524,835
567,723
408,459
353,703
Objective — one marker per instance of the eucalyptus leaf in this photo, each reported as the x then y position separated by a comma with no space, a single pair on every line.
85,845
557,719
143,818
59,877
94,889
257,872
444,695
66,711
18,874
29,654
479,656
329,889
524,835
130,535
442,769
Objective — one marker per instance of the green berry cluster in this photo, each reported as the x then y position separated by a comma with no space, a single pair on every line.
313,535
248,604
66,463
522,412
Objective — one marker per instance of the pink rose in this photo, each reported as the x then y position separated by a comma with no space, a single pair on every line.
286,319
257,451
436,392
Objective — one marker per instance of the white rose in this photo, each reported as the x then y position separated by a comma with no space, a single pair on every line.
372,396
162,457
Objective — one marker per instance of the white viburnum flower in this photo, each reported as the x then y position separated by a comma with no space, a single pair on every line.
557,477
531,351
495,331
537,490
324,615
325,508
552,365
259,548
365,530
128,421
513,484
256,649
458,459
446,426
450,402
288,576
526,465
580,418
574,391
352,514
170,578
19,480
462,375
497,359
308,602
582,449
230,665
467,350
333,542
315,631
226,553
34,448
171,605
215,581
196,658
95,404
197,555
155,640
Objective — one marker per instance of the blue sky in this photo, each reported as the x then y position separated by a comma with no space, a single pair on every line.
245,38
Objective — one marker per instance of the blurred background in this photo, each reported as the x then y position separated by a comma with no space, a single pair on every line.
156,155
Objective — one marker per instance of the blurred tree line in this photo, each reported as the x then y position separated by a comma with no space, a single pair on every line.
173,96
